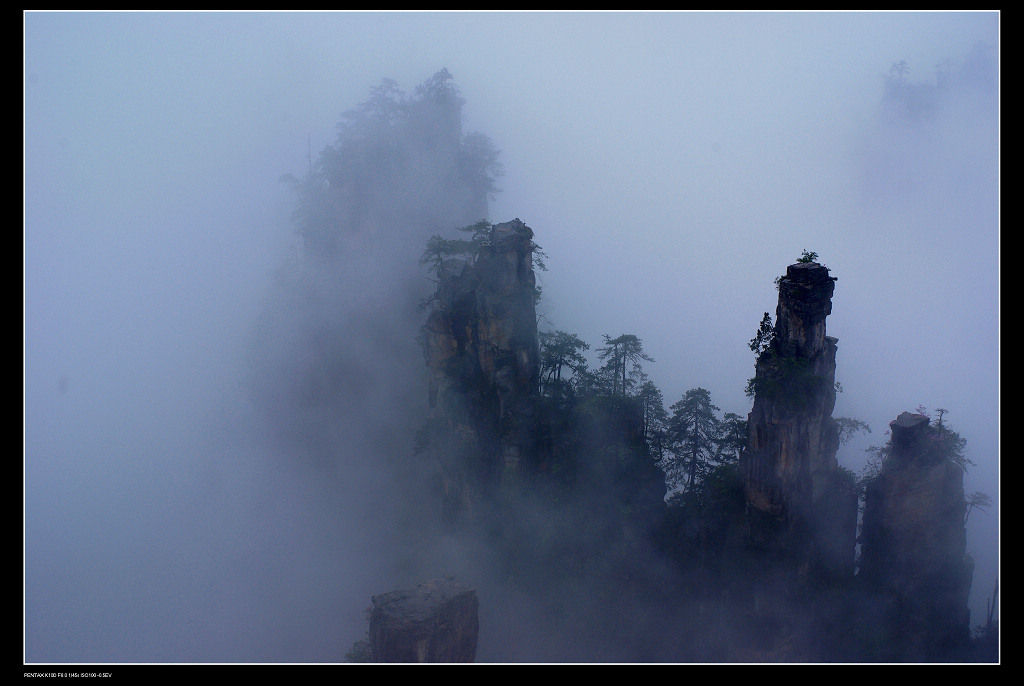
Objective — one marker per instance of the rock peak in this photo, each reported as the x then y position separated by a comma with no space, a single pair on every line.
511,231
908,420
913,547
481,345
798,499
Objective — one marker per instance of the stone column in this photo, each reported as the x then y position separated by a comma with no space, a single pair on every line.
798,500
913,546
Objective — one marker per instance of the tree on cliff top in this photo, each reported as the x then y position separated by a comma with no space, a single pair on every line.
941,443
440,250
560,350
620,355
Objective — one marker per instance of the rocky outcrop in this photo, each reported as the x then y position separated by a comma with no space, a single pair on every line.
913,545
480,343
799,501
435,622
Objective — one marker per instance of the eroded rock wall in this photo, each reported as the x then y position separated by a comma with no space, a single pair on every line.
913,546
437,621
480,342
800,503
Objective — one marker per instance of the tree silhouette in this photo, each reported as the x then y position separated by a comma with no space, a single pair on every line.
560,350
439,251
619,355
977,501
764,337
695,431
732,438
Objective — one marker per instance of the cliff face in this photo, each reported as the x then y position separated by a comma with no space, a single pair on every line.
799,501
914,543
435,622
780,577
480,343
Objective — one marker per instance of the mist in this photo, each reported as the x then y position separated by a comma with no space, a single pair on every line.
671,166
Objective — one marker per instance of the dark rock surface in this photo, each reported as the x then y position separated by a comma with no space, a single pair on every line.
800,502
480,343
914,546
437,621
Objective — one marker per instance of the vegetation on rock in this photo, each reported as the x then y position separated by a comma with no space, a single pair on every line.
586,492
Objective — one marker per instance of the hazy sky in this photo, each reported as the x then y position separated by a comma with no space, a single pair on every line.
671,165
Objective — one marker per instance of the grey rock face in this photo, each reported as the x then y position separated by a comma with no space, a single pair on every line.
914,546
481,346
798,499
437,621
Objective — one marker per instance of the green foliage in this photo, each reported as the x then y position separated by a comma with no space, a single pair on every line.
722,481
753,384
559,351
702,525
619,354
732,439
764,337
940,443
440,250
540,258
655,418
849,427
807,257
592,434
481,233
695,434
789,379
438,87
946,444
538,261
876,460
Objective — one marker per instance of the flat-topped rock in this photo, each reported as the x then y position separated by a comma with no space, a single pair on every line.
437,621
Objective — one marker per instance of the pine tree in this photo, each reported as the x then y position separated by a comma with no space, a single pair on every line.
696,434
